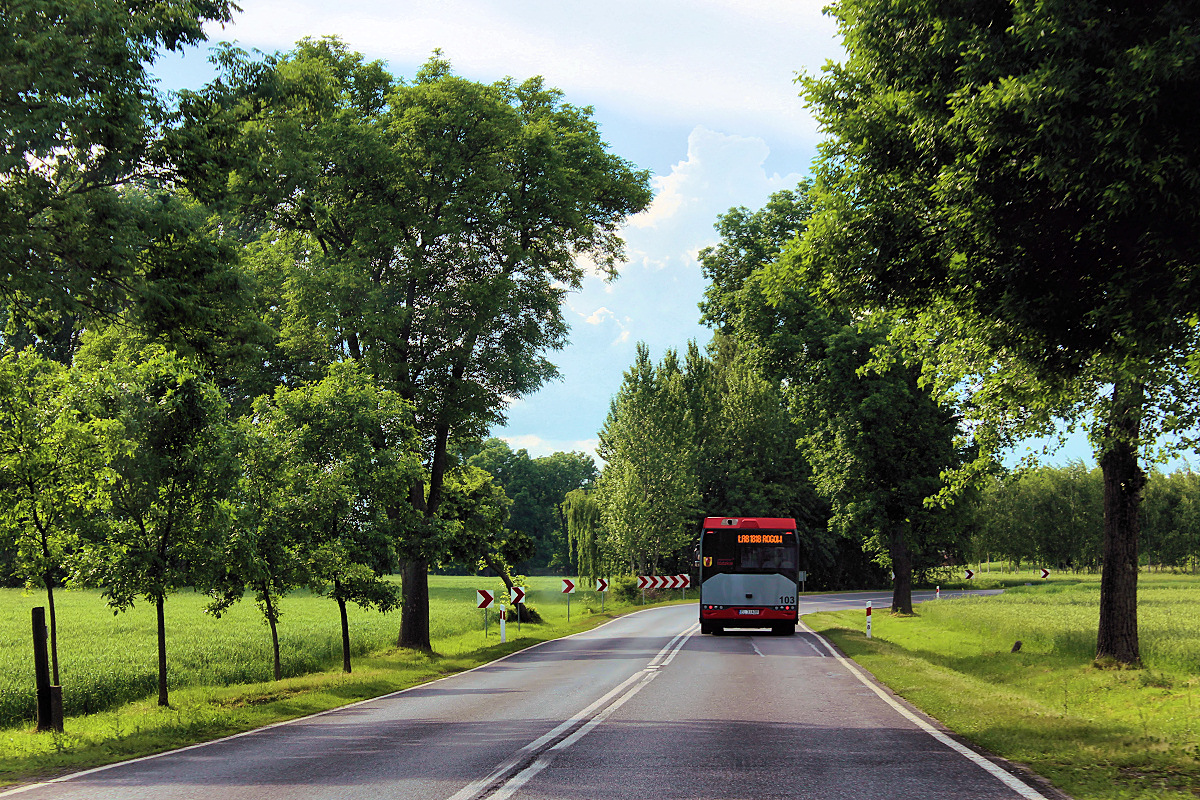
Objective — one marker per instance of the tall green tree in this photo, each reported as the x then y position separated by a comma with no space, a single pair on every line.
648,491
1171,519
168,508
434,229
476,511
55,447
748,463
876,441
1014,180
350,453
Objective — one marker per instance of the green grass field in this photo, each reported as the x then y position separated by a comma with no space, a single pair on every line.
220,669
1094,733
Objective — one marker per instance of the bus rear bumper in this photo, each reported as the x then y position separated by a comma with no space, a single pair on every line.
748,616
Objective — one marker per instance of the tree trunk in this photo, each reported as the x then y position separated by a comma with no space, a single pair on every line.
162,652
271,615
345,635
414,614
53,628
902,569
1123,482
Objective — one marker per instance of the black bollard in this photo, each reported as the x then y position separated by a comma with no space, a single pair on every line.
41,665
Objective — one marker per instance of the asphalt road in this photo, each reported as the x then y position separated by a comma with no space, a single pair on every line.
643,707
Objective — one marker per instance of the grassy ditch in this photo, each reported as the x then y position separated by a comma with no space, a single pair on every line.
220,669
1095,733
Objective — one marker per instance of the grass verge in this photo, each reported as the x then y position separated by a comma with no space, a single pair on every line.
1095,734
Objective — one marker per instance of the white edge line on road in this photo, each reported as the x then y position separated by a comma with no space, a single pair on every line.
63,778
1006,777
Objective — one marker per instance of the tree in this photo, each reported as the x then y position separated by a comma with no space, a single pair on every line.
1171,519
476,511
747,461
582,514
349,454
648,493
80,118
167,500
1014,182
876,441
433,229
537,487
55,447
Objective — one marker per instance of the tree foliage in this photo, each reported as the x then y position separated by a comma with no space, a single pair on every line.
168,506
537,488
81,150
432,229
55,449
349,454
648,492
1013,181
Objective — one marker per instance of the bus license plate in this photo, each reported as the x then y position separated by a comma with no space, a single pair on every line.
749,612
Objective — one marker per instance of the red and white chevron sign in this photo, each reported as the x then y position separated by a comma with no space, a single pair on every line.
568,586
518,595
601,584
484,598
970,574
664,581
1045,572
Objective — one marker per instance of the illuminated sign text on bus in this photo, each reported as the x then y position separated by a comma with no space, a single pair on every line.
760,538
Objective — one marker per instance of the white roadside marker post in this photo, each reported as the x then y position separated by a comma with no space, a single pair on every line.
868,619
503,614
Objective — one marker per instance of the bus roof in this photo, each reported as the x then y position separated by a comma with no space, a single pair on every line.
770,523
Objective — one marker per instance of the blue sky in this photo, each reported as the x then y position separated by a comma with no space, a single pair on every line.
701,93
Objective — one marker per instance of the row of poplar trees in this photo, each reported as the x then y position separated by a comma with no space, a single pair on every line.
247,328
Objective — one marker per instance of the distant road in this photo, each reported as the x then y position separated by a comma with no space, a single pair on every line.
643,707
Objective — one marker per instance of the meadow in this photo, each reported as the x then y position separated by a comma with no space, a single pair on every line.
1097,734
107,659
219,670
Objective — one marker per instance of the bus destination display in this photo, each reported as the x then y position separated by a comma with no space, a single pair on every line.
760,538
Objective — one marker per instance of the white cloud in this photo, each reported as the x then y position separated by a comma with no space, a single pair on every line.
721,171
537,447
600,315
679,60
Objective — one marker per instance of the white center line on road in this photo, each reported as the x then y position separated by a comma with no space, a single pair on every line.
515,772
760,652
1004,776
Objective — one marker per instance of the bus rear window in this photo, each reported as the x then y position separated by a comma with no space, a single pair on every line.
761,556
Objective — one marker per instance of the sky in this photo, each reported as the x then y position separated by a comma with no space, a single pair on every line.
701,93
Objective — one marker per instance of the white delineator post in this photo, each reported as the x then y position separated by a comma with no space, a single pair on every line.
868,619
503,614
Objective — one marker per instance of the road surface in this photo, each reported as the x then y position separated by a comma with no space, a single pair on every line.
643,707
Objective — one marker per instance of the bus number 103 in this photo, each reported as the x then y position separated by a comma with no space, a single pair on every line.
786,600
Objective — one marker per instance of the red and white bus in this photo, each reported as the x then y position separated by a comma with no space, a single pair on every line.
749,568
